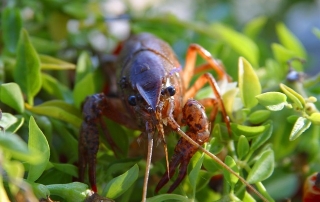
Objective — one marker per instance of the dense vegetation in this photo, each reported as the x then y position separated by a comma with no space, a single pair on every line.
50,60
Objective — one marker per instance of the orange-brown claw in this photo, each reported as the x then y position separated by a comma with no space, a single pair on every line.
196,118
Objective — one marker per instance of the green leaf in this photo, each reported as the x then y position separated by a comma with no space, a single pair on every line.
193,175
228,101
27,70
66,168
11,25
255,26
283,55
315,118
273,101
40,190
11,123
243,147
84,88
297,99
11,95
259,116
168,197
290,41
18,149
45,46
60,110
56,88
301,125
239,42
231,179
247,131
262,168
75,191
51,63
261,139
249,83
37,141
120,184
84,66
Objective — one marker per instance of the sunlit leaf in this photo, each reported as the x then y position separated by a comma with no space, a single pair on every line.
262,168
253,27
301,125
315,118
27,70
75,191
239,42
11,95
120,184
294,96
37,141
84,88
60,110
11,25
249,83
273,101
290,41
283,55
18,149
248,131
51,63
193,175
259,116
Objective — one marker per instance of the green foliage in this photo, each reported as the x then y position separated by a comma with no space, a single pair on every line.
47,69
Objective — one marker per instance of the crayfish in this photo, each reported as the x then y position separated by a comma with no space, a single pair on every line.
154,97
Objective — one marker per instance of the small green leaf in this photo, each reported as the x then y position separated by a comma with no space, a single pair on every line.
11,25
11,95
51,63
193,175
75,191
283,55
315,118
262,168
249,83
27,70
40,190
18,149
84,66
37,141
228,101
11,123
52,86
168,197
261,139
231,179
301,125
294,96
84,88
259,116
243,147
239,42
120,184
66,168
247,131
60,110
255,26
273,101
290,41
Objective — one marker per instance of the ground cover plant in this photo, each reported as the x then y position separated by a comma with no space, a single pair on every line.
48,67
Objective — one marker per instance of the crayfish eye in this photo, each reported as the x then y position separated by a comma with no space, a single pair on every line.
132,100
170,90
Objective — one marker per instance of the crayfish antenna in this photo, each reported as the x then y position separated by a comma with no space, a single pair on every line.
148,163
